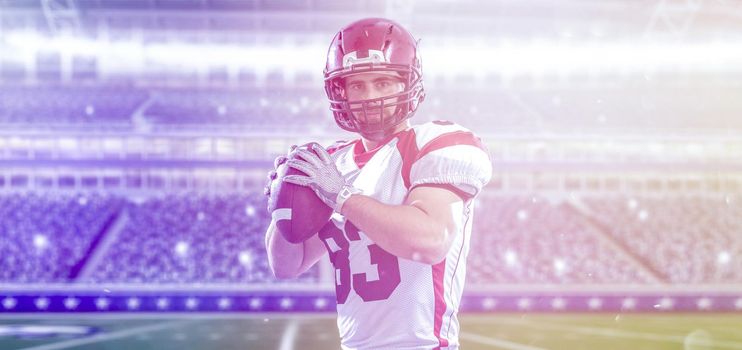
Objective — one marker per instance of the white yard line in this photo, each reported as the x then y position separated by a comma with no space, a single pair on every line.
505,344
289,335
107,336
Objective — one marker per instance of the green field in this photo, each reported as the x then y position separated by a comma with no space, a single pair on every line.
479,331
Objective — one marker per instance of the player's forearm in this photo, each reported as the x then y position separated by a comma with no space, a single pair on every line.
284,258
403,230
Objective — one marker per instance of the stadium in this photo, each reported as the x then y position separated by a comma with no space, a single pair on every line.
136,135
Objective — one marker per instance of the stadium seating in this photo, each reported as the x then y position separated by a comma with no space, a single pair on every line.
259,109
528,239
288,108
516,239
69,105
44,238
191,238
686,239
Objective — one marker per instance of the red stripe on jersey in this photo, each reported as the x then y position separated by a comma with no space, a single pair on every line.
451,139
339,145
407,147
439,270
360,156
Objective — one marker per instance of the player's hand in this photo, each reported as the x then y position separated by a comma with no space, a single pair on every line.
273,174
322,175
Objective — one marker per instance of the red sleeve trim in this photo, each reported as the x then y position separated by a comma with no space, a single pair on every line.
463,195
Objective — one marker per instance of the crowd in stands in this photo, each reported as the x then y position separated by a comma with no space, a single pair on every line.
517,239
260,109
530,239
686,239
69,105
42,238
191,239
267,109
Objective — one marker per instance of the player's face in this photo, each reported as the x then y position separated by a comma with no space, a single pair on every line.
367,86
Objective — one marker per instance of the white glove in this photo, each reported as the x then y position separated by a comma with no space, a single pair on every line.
322,175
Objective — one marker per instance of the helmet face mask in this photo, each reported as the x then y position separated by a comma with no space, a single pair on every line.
357,115
373,46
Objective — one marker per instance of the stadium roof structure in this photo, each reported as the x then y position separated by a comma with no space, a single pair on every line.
609,19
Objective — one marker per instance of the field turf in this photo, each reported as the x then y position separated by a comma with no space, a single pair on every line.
599,331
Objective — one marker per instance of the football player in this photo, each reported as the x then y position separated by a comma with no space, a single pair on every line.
402,197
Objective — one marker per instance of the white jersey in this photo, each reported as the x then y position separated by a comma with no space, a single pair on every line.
387,302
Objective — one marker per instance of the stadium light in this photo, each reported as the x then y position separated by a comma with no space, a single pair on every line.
133,303
181,248
245,259
9,303
643,215
704,303
595,303
250,210
511,258
522,215
102,303
723,258
489,303
320,303
628,303
42,303
224,303
162,303
560,266
71,303
191,303
558,303
665,303
256,303
65,144
286,303
507,57
524,303
632,204
40,241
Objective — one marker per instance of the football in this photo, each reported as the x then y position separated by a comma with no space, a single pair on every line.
298,212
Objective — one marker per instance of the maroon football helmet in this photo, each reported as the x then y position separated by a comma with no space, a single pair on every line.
373,45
